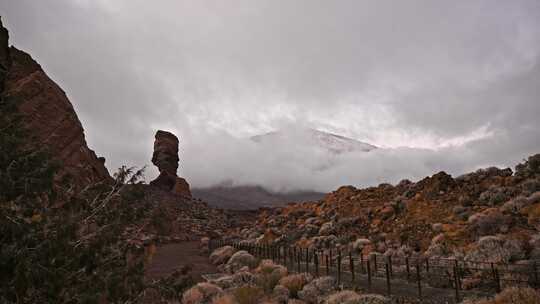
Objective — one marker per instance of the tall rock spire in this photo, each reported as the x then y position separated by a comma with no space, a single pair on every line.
165,157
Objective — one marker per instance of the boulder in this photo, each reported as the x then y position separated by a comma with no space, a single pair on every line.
240,259
437,227
327,228
202,293
239,278
317,289
181,187
295,301
281,294
371,299
534,244
359,244
222,255
295,282
342,297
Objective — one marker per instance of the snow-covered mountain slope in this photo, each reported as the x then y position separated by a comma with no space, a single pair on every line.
333,143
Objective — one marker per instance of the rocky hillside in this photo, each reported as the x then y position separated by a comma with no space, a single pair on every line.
91,234
491,215
50,121
48,115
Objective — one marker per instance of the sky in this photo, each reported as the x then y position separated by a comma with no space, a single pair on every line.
438,85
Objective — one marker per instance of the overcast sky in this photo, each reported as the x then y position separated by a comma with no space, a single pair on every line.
441,85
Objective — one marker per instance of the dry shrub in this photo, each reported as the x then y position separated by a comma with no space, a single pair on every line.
269,274
516,295
513,295
294,283
488,222
533,213
224,299
248,294
268,280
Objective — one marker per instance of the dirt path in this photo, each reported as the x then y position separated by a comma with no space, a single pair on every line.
171,256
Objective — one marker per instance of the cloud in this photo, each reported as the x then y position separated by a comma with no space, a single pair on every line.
456,82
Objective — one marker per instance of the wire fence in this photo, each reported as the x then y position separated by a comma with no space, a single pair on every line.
420,278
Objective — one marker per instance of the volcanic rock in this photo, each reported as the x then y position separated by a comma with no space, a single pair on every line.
165,157
48,116
5,61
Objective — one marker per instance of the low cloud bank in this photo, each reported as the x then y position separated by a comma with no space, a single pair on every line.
211,159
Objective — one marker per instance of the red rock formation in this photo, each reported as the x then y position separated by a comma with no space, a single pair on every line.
165,157
48,115
181,187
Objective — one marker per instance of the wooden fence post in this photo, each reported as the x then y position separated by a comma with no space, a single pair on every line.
388,286
351,266
408,267
456,264
291,257
316,260
496,277
327,264
298,258
456,282
307,260
419,279
390,268
339,267
535,269
368,264
361,263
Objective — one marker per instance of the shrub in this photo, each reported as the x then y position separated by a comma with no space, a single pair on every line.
248,294
224,299
294,283
201,293
269,274
530,167
512,295
490,221
344,296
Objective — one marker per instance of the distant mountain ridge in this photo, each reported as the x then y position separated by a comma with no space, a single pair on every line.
251,197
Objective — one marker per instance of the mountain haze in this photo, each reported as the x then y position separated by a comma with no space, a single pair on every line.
231,196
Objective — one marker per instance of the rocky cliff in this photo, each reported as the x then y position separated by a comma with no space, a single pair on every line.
48,115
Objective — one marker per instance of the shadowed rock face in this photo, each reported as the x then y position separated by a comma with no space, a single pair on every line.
48,115
165,157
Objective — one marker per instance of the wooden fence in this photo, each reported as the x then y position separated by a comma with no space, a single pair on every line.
423,275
